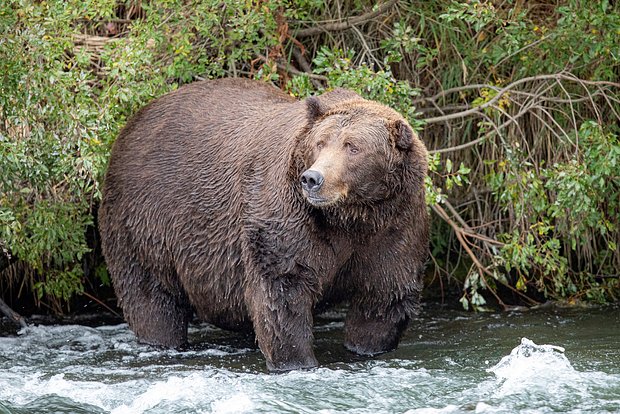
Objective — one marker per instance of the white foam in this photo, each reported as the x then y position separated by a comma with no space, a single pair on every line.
173,389
21,390
530,366
105,367
237,403
449,409
224,393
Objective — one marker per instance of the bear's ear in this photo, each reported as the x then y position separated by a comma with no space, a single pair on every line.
315,109
402,134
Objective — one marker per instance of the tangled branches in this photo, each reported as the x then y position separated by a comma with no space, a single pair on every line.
534,159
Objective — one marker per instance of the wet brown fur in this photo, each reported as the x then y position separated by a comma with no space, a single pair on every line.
203,212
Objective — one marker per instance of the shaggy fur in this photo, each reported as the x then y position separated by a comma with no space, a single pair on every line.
203,211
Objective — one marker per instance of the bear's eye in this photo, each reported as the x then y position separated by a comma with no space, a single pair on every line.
352,149
320,145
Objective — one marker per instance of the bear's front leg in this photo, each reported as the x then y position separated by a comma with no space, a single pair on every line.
281,311
381,307
387,284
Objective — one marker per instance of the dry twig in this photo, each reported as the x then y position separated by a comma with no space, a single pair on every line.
346,23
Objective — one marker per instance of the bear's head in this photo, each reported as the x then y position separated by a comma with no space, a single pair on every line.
359,152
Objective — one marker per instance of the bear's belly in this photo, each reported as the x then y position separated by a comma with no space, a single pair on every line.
215,280
227,318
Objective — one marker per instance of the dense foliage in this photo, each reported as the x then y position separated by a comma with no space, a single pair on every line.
518,101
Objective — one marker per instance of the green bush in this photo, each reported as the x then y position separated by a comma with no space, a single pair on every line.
518,102
63,101
569,210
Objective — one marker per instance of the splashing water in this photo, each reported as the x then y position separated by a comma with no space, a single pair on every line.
544,374
442,366
527,362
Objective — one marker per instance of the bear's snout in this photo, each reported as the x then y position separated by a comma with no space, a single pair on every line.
311,181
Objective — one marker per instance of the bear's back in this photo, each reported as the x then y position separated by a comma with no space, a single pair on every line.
203,129
195,114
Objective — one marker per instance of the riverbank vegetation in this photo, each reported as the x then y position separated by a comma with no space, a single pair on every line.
518,103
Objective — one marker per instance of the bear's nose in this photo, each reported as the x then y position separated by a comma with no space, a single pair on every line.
312,180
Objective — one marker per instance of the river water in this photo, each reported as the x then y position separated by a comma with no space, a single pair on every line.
539,361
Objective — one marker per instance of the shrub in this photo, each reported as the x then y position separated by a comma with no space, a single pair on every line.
518,103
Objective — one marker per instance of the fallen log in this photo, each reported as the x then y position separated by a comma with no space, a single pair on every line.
12,315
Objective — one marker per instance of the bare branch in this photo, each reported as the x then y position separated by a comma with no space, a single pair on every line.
535,102
500,92
303,63
491,101
496,130
346,23
288,68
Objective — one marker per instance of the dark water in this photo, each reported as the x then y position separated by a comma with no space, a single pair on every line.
448,362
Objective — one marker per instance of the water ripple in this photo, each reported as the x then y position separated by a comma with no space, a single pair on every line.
459,364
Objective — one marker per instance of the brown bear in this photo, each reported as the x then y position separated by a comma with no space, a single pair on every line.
234,201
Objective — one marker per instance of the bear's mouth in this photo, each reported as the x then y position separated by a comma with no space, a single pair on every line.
317,201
